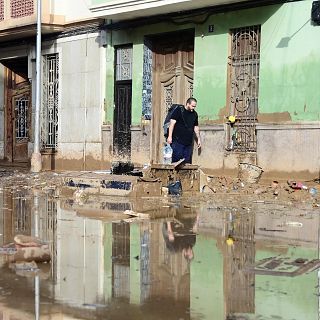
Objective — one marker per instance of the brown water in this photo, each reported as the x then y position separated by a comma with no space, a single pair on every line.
194,259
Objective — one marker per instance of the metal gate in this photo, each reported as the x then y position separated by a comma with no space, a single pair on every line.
244,75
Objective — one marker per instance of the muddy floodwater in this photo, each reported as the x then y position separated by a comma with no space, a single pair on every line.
219,256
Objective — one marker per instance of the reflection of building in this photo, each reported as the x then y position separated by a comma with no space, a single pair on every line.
21,214
121,260
115,269
170,272
16,216
239,286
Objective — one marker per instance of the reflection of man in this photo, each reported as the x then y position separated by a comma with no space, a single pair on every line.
183,125
180,235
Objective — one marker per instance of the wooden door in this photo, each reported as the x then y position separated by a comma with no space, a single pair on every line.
173,62
18,117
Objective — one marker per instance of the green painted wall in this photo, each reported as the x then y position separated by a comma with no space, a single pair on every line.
211,57
276,297
135,281
289,65
206,276
284,297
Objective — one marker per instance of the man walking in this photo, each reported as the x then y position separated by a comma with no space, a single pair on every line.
183,125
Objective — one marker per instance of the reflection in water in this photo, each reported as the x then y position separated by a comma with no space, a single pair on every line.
238,283
186,264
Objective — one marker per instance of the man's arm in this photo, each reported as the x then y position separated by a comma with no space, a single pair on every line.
197,132
171,127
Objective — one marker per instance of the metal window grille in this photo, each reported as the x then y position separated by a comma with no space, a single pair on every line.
49,132
147,83
121,260
21,118
1,10
168,96
190,89
49,229
124,64
22,216
244,62
21,8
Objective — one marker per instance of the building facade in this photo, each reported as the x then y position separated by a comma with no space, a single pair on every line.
111,69
255,61
71,82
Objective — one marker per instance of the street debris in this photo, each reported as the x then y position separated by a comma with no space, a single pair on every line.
136,214
27,249
284,266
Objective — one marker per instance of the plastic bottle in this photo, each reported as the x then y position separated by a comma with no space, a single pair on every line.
167,154
313,191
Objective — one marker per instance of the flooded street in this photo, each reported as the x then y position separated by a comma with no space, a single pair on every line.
214,256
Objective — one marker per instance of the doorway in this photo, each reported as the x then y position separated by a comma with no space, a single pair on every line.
122,104
17,93
173,64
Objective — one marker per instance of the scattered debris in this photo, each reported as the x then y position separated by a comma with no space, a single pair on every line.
283,266
297,185
25,266
27,249
292,224
175,188
272,230
137,214
21,240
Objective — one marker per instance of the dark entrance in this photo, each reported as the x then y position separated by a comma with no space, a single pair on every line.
122,112
17,109
122,120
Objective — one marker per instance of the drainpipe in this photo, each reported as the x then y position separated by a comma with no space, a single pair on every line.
36,164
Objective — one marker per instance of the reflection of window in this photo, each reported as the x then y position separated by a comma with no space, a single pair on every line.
49,123
121,259
21,117
22,216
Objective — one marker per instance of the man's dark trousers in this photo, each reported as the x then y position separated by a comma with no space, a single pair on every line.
181,151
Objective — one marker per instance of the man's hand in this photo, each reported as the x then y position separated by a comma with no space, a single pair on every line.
197,132
171,127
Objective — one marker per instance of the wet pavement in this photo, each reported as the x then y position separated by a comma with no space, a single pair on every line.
213,256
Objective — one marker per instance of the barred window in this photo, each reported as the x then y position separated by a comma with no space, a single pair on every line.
244,79
49,123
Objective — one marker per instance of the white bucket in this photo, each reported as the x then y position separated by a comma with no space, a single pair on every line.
249,172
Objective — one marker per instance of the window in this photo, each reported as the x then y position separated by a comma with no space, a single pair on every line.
243,98
49,123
